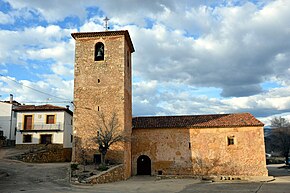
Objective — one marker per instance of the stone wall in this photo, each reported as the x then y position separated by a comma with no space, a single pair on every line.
102,87
112,175
45,154
201,151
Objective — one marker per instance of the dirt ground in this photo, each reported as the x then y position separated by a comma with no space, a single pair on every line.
16,176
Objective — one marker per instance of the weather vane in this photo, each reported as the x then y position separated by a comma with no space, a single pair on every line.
106,23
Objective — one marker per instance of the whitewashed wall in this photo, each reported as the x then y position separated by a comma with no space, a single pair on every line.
67,143
60,137
57,138
5,121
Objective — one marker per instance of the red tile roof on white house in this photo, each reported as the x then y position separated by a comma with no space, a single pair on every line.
46,107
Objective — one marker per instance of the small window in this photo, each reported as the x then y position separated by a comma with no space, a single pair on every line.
231,140
50,119
1,133
27,138
45,139
99,51
14,114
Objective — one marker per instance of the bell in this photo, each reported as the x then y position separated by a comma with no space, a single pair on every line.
99,54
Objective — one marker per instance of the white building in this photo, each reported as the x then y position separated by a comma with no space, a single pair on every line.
8,119
44,124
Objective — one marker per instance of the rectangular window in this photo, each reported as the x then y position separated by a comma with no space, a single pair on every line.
50,119
1,133
27,138
45,139
231,140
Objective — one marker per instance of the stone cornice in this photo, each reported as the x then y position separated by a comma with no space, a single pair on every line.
78,35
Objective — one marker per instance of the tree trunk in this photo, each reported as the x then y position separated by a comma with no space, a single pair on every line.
103,158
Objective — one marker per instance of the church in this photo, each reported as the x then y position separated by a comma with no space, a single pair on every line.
217,144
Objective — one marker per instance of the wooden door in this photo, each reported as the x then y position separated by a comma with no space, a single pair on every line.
27,122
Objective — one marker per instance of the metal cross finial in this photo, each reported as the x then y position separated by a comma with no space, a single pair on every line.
106,23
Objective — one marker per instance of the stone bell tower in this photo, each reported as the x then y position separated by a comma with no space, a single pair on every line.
102,84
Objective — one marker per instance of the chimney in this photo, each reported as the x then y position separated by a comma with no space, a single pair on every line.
11,98
67,106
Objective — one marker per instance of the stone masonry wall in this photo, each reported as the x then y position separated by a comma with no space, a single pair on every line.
102,87
203,151
112,175
45,154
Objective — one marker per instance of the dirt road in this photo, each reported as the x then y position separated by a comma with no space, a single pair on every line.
16,176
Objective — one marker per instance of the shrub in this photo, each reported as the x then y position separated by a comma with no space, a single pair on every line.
74,166
102,167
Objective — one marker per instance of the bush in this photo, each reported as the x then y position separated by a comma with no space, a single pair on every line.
74,166
102,167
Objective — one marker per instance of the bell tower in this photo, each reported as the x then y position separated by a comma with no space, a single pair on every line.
102,84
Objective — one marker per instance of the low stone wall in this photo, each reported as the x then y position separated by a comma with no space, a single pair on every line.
45,154
113,174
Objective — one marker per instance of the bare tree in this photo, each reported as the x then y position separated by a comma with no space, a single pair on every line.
109,133
281,136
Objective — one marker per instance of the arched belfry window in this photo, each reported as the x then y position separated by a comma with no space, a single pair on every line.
99,51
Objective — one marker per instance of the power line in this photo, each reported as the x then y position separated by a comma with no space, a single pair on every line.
48,102
32,88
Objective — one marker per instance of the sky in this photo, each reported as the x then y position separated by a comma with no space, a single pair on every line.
191,57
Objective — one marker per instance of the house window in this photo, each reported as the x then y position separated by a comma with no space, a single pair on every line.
231,140
27,138
99,51
45,139
50,119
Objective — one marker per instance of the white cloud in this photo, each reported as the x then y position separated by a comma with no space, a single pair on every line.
6,18
41,42
54,10
232,47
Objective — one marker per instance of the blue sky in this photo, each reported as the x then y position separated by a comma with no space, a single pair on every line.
192,57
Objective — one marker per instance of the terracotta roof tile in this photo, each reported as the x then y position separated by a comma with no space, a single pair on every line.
197,121
46,107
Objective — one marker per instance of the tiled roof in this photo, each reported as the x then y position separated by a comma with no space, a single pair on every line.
41,108
197,121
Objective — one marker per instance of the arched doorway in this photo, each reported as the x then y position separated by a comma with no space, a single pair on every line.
143,165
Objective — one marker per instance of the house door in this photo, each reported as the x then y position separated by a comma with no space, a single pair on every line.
143,165
27,122
45,139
